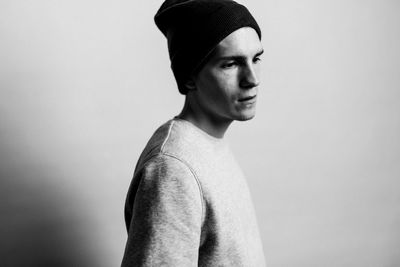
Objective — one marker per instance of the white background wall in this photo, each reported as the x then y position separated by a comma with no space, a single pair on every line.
85,83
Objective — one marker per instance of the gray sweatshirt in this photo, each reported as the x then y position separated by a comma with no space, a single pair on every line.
189,204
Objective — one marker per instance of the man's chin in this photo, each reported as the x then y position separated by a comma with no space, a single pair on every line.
246,117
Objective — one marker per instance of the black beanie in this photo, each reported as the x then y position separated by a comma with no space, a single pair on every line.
195,27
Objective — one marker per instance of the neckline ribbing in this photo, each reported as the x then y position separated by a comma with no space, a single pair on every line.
198,130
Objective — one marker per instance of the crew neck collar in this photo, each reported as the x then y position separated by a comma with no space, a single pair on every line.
199,130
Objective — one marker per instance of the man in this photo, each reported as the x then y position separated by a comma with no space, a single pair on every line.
188,203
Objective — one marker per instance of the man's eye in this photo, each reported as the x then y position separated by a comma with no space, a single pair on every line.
228,65
256,60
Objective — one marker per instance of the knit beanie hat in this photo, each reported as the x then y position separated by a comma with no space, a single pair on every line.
194,28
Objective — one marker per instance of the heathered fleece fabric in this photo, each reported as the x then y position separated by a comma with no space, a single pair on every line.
189,204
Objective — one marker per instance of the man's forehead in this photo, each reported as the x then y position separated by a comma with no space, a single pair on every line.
242,42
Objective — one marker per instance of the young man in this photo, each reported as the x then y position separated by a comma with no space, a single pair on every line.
188,203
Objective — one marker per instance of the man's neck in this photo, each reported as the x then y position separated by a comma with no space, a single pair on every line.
213,126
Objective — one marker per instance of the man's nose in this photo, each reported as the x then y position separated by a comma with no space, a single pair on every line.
249,77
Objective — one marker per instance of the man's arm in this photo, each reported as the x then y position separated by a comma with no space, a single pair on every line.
167,215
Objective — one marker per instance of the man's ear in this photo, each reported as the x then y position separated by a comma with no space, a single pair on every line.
190,84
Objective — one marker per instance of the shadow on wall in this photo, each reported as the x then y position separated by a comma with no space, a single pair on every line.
39,227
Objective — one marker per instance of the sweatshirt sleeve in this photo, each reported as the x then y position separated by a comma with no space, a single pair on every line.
166,218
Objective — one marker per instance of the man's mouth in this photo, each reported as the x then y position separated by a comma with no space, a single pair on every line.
247,98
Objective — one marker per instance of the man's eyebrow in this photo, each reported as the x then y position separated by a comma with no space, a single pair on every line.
239,57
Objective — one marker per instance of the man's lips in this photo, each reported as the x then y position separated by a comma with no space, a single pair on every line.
247,98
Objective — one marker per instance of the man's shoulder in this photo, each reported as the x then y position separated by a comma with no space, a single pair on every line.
180,139
168,139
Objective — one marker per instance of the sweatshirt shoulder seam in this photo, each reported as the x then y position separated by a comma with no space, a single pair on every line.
194,176
167,137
